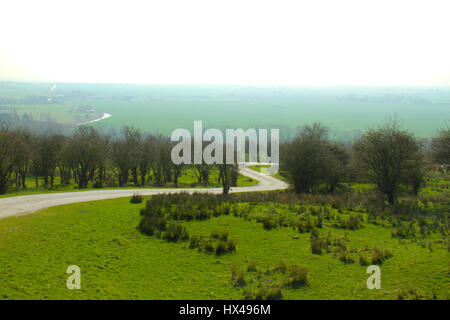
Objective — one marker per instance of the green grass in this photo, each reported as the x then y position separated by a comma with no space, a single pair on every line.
118,262
186,180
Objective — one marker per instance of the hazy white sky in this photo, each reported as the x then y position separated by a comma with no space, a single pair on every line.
258,42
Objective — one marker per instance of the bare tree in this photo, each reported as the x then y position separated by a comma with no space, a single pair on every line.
337,159
148,157
440,148
87,148
48,148
121,160
228,173
65,161
6,159
133,139
305,158
22,155
385,154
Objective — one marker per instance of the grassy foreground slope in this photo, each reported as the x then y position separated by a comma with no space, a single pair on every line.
118,262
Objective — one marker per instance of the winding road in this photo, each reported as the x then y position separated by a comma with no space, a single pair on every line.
25,204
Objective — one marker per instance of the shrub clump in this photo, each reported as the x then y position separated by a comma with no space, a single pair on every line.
317,244
363,259
153,223
297,275
344,256
218,242
264,293
379,255
175,231
409,293
268,222
136,198
221,235
237,277
404,230
353,222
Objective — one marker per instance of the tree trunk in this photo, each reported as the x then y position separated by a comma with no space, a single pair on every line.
135,176
3,185
390,195
24,180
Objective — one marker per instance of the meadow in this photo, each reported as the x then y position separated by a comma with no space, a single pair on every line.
273,243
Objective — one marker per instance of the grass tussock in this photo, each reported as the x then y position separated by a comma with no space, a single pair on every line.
237,277
380,255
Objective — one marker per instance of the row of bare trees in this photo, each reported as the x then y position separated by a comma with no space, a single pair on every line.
387,156
90,158
86,156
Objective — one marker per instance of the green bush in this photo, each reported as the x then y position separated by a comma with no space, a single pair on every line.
379,255
221,247
344,256
136,198
409,293
297,275
353,222
194,242
264,293
152,225
208,246
317,244
237,277
231,245
175,232
221,235
404,230
304,225
363,260
268,222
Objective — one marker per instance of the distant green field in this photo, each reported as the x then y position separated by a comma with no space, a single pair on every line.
54,112
341,117
346,111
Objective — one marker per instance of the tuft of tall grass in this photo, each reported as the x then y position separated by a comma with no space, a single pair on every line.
237,277
380,255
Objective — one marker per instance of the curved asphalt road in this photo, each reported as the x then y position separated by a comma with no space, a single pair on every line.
25,204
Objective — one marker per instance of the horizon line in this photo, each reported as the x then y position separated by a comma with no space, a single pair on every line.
232,84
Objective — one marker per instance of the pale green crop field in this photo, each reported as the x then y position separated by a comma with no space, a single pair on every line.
346,111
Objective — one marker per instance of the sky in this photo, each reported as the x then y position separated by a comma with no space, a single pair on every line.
314,43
